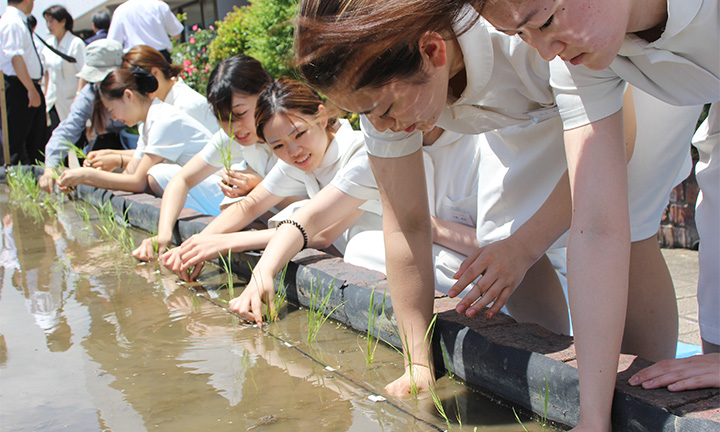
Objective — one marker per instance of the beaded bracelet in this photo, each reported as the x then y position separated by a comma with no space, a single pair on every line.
298,226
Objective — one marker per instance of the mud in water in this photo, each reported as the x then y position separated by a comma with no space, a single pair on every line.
90,340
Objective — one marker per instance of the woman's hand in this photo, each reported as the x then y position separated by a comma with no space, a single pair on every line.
47,180
696,372
248,305
417,378
103,159
172,259
147,249
239,183
71,178
200,248
502,264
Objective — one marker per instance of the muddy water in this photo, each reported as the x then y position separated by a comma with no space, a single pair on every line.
90,341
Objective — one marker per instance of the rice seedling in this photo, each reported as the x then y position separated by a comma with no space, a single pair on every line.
227,267
439,407
544,398
279,298
112,229
25,191
373,338
81,209
225,148
316,315
71,147
446,360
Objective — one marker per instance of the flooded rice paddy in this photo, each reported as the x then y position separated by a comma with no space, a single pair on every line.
91,340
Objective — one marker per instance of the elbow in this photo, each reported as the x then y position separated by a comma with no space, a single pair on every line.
320,241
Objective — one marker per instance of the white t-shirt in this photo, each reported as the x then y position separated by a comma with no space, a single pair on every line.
62,83
190,102
144,22
345,166
681,68
257,156
172,134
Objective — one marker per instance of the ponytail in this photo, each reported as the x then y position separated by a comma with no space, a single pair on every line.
137,80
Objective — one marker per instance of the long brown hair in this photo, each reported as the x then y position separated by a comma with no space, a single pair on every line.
114,85
287,97
352,44
146,58
237,74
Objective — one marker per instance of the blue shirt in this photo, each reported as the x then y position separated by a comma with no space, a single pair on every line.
101,34
70,129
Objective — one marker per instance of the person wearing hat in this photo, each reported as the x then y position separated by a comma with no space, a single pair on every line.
102,57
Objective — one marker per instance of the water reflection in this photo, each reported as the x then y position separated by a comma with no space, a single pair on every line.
91,340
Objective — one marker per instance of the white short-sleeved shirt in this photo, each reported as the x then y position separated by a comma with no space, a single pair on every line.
15,40
172,134
507,84
508,89
452,168
144,22
345,166
190,102
62,83
257,156
680,68
193,104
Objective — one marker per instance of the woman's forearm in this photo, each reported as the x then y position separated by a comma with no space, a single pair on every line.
176,192
116,181
454,236
239,214
408,249
598,259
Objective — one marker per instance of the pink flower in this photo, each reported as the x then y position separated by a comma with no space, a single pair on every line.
192,40
212,28
207,69
187,63
195,27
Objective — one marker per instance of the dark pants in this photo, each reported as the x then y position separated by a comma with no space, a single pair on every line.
27,126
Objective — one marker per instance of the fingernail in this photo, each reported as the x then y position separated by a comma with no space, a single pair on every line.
633,380
460,308
489,315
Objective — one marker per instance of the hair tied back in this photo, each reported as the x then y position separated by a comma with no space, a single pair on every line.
146,82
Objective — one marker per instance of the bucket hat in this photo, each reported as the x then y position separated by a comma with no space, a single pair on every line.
101,57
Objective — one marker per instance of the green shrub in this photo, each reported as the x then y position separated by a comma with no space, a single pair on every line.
194,58
262,30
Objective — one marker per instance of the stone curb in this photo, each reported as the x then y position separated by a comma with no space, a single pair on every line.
499,357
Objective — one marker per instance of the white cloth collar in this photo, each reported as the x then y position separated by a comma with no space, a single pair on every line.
477,50
680,15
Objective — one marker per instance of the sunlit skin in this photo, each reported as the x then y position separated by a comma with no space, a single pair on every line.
412,104
582,32
55,27
241,126
298,140
128,109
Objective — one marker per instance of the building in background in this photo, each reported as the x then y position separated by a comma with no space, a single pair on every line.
200,12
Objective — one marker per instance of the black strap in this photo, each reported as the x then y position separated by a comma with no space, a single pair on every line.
63,55
37,54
